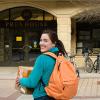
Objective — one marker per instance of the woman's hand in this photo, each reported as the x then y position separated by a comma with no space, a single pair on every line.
17,82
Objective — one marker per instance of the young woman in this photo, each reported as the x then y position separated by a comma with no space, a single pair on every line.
43,66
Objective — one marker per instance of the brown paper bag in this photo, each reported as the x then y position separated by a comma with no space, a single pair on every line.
24,71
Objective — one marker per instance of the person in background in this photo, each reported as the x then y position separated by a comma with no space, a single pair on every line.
43,66
85,51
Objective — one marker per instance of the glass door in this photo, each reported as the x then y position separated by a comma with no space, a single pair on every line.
25,47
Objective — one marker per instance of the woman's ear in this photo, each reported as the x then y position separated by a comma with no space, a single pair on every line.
53,45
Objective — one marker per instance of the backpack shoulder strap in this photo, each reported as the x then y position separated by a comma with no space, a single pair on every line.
51,54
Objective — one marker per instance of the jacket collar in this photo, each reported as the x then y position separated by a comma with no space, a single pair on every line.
54,49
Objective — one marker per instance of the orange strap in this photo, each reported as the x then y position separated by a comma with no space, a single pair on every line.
51,54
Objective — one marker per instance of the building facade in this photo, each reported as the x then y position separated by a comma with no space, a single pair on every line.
22,22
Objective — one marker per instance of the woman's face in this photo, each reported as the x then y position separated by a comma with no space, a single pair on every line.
45,43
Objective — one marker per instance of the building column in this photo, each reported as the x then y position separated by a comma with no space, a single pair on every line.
64,31
73,36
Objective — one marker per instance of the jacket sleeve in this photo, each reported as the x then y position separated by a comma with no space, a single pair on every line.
35,75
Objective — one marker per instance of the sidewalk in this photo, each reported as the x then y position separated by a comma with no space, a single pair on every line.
89,86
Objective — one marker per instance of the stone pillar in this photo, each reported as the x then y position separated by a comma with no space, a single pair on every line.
64,31
73,36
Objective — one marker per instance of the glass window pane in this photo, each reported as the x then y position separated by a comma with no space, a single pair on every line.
96,34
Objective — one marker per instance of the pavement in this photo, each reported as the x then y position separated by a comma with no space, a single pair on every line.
88,89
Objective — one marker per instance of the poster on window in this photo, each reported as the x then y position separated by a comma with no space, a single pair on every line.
18,38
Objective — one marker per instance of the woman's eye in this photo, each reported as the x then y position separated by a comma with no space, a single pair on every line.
45,40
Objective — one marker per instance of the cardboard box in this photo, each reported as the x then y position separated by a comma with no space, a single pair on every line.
24,71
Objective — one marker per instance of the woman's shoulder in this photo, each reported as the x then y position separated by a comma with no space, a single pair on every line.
44,57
